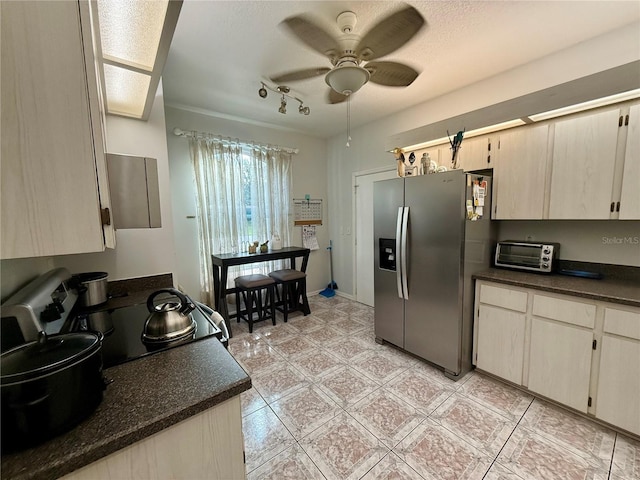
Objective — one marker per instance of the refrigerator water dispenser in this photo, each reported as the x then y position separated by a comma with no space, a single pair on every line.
387,253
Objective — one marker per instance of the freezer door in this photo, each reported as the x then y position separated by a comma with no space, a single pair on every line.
388,200
436,227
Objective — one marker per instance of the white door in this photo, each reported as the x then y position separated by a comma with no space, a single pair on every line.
363,214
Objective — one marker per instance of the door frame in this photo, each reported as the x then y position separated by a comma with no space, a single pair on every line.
354,186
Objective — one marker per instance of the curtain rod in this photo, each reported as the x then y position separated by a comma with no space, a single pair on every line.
194,134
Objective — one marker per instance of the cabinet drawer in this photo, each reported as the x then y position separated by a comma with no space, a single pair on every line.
503,297
575,313
622,322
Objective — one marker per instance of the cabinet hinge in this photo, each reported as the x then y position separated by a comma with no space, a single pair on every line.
489,145
620,121
589,402
105,216
595,344
495,209
617,206
613,206
626,120
488,158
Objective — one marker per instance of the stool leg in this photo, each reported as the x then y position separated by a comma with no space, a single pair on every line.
272,294
285,302
238,317
302,283
249,307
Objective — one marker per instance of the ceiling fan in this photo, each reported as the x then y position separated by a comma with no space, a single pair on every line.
349,50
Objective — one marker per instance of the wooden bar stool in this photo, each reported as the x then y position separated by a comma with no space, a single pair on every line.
251,288
293,284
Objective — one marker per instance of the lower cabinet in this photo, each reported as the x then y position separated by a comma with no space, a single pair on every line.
207,445
581,353
500,331
560,362
618,395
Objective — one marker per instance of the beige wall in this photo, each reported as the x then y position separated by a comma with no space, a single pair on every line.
138,252
309,177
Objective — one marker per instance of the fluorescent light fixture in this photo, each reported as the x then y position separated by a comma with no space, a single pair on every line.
600,102
133,45
126,91
471,133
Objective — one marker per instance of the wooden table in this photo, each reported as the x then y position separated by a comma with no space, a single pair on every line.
222,262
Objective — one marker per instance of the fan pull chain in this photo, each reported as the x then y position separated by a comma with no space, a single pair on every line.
349,121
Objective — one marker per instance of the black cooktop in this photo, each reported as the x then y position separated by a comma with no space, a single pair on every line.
122,329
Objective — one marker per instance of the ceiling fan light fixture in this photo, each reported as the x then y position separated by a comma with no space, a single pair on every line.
347,79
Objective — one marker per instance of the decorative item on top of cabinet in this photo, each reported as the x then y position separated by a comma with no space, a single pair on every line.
587,155
520,174
475,154
53,194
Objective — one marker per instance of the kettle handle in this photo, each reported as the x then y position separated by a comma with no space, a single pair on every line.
186,305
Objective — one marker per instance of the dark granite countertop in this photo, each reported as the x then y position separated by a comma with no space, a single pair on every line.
624,290
147,395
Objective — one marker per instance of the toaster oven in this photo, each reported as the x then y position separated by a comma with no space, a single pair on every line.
529,256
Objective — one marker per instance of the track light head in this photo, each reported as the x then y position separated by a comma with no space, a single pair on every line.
283,106
262,92
303,110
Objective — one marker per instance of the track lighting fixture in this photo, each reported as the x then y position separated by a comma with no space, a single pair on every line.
284,91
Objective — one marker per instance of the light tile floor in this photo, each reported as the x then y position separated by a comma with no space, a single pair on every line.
328,402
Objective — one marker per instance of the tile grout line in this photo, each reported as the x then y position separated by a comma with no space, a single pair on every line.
507,441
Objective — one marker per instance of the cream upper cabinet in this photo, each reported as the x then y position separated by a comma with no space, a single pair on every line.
520,174
474,154
630,196
52,145
584,159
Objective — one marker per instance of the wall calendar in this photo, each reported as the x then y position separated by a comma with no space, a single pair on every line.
307,212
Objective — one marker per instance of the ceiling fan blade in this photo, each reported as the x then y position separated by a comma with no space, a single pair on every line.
390,34
299,75
312,35
335,97
391,74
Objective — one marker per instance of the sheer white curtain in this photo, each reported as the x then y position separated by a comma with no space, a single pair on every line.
243,194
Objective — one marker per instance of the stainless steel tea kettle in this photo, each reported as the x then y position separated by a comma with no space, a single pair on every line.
170,321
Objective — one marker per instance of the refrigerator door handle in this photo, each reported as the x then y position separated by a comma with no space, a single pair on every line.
398,254
403,254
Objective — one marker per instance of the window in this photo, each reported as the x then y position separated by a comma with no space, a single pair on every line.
243,195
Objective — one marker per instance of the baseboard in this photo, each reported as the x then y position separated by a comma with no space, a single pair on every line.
338,292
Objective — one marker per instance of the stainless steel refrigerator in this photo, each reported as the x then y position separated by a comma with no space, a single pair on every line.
426,248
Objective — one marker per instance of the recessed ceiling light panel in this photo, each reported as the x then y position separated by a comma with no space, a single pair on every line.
126,91
130,30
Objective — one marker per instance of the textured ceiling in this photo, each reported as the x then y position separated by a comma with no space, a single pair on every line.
222,50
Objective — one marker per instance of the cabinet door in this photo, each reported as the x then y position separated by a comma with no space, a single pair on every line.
618,398
500,336
49,187
584,154
630,198
560,362
520,174
474,154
